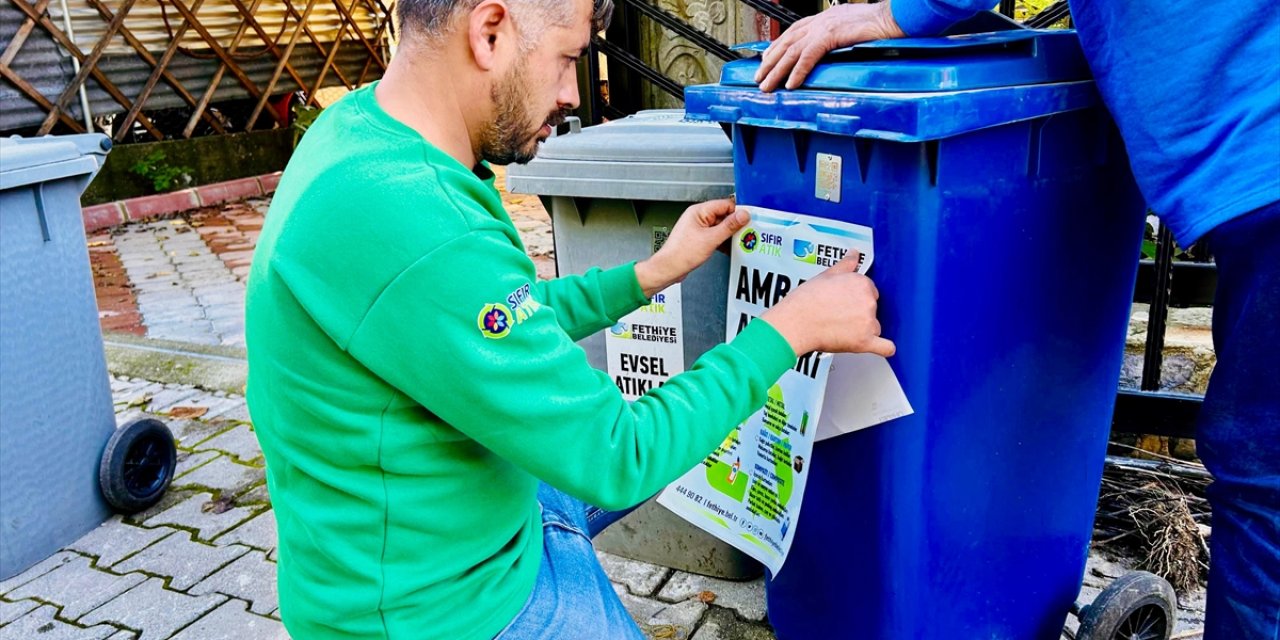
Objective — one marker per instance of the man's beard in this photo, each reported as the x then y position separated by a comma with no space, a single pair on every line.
512,136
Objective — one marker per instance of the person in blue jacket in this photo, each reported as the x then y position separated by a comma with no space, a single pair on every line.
1195,90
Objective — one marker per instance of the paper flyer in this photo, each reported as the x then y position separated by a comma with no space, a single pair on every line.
748,492
646,347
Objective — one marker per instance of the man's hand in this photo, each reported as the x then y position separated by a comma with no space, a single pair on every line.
834,312
697,233
800,48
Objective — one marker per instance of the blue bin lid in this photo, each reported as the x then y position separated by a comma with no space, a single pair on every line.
911,89
955,63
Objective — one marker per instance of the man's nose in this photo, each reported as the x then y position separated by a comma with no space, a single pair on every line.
568,97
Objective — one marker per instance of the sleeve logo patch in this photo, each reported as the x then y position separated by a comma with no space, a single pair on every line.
494,321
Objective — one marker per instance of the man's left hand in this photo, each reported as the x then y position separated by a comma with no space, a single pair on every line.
697,233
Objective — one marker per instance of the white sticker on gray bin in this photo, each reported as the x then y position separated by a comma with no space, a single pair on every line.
646,347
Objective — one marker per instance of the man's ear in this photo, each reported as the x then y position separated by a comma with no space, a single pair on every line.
488,26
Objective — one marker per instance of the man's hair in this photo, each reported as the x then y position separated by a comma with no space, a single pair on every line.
430,19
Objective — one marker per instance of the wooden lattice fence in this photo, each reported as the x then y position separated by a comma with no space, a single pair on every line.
159,69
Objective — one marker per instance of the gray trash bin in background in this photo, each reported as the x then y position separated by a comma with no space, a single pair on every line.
55,398
612,190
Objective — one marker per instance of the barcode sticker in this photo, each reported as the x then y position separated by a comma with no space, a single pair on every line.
828,185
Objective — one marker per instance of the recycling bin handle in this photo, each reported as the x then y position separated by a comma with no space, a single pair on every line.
575,126
833,123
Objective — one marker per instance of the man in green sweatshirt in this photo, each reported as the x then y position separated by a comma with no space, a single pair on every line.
432,431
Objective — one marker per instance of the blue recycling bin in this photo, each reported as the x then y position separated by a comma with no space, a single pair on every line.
1007,230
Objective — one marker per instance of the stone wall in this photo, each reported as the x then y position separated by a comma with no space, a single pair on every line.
728,21
1188,363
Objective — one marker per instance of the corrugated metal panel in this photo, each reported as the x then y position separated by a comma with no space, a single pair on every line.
146,20
42,63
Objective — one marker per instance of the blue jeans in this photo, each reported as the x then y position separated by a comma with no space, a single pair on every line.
1238,436
572,598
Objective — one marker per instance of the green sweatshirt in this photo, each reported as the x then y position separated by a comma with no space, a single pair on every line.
411,382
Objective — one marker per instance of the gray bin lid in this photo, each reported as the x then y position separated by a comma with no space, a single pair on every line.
27,161
652,155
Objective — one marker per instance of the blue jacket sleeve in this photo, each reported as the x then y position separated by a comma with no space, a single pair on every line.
931,17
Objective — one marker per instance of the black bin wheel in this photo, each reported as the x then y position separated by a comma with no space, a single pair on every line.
137,465
1137,606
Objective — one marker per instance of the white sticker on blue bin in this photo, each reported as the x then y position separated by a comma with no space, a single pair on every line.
749,490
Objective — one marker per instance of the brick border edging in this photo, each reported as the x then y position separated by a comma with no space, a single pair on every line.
111,214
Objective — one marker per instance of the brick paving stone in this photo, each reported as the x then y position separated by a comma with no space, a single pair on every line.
232,621
42,623
256,495
36,570
162,293
117,304
661,619
189,461
220,406
102,216
223,287
223,310
183,561
155,611
746,598
240,442
115,540
171,498
192,514
677,621
641,609
238,414
230,190
191,432
225,475
640,578
721,624
213,405
171,397
156,285
258,533
76,587
138,396
10,611
179,261
250,578
120,384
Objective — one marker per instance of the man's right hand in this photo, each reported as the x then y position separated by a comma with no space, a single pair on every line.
800,48
834,312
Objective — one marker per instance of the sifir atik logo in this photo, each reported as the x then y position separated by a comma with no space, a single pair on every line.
496,319
769,244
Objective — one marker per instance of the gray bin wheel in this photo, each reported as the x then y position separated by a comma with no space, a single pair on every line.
137,465
1137,606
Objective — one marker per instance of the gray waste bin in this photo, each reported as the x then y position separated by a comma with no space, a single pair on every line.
55,399
613,191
